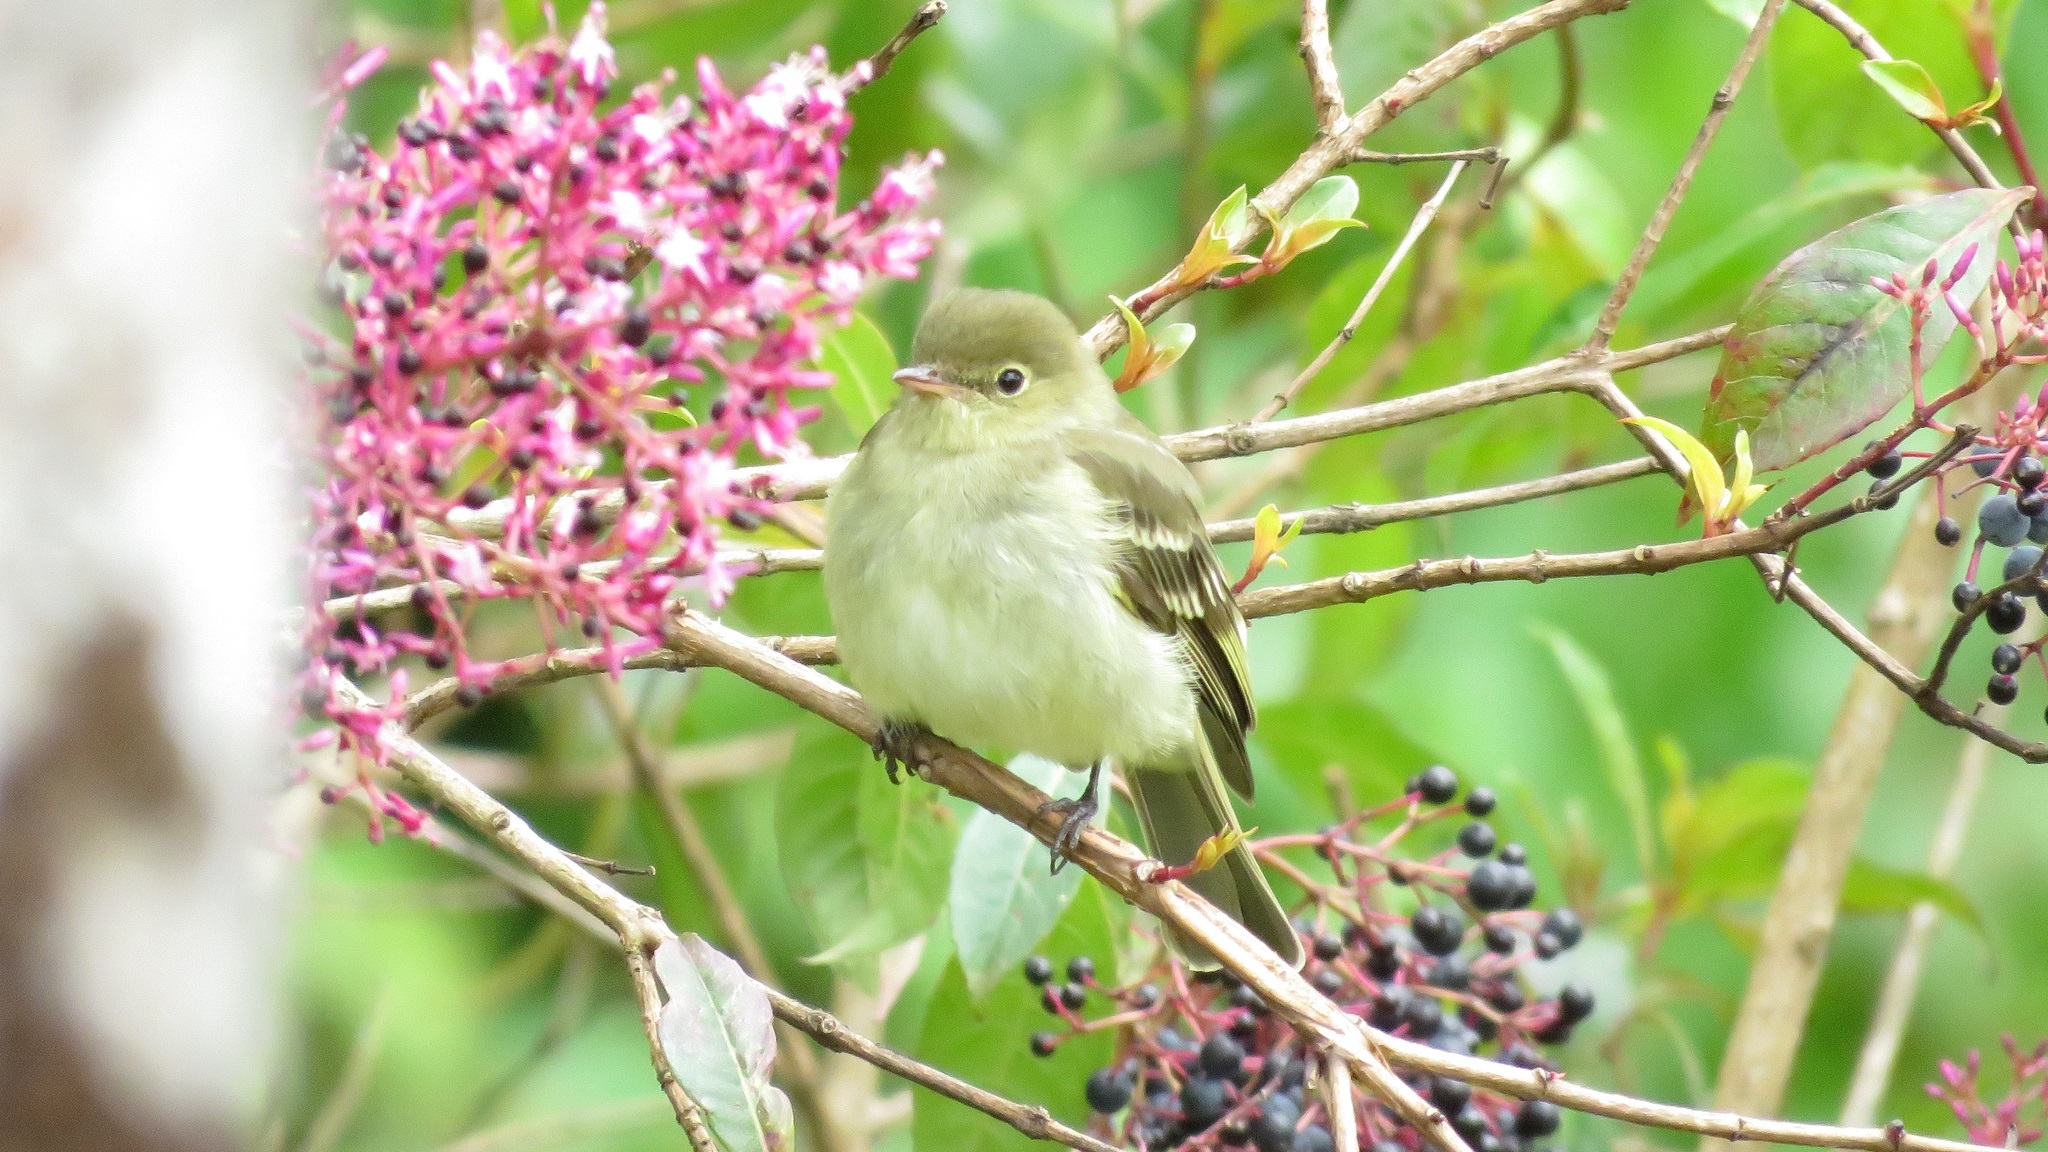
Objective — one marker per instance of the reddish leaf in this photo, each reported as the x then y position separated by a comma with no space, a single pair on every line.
1817,352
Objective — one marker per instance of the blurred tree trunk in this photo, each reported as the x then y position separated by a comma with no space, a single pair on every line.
143,560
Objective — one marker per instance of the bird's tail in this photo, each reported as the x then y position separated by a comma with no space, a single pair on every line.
1181,806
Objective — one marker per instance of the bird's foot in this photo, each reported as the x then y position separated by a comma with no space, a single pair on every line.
1075,816
897,742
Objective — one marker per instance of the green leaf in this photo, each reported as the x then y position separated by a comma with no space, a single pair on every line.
986,1043
718,1033
860,360
1873,887
1618,756
1005,897
1331,198
1730,840
1909,84
867,861
1817,353
1826,108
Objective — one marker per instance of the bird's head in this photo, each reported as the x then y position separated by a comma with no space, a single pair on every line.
992,364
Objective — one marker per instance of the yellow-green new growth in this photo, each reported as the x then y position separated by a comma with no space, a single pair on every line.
1721,500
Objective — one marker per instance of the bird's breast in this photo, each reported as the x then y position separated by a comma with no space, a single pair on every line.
979,597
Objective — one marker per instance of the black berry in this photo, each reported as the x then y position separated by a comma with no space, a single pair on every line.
1947,532
1109,1090
1500,939
1314,1138
2006,613
1564,924
1490,888
1886,466
1074,996
2002,689
1536,1118
1476,839
1044,1043
1038,970
1514,854
1329,981
1080,969
1523,893
1437,930
1574,1003
1479,801
1221,1056
2000,521
1203,1102
1449,1094
1327,947
1437,784
1423,1015
1963,595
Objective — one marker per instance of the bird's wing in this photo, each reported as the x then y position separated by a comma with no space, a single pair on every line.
1169,576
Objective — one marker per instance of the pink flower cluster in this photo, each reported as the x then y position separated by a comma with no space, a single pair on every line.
525,294
2018,1116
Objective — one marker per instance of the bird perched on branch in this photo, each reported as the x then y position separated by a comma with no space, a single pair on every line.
1013,560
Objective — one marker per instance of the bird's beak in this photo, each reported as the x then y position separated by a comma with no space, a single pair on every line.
925,379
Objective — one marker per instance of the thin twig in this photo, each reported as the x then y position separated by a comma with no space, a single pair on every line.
1125,870
799,1065
688,1114
1681,182
1337,1101
1325,87
812,479
1860,39
877,66
1033,1120
1330,152
357,1070
612,867
1902,978
569,891
1416,227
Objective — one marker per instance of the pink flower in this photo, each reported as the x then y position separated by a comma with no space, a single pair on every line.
516,288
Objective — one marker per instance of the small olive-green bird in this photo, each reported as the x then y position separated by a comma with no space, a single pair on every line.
1014,561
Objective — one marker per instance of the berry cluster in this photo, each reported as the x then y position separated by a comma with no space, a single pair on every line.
1426,948
522,295
2007,459
2018,1117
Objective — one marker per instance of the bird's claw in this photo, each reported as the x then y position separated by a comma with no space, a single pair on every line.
896,743
1075,816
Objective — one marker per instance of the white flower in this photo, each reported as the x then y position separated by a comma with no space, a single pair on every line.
683,251
627,211
590,52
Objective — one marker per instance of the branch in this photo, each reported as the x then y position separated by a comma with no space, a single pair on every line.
1338,1103
1325,87
801,1067
1121,867
1346,518
1860,39
877,66
1681,182
1334,150
571,892
1902,977
1033,1121
557,883
688,1114
812,479
1422,219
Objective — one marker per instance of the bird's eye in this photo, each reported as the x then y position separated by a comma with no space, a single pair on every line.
1010,381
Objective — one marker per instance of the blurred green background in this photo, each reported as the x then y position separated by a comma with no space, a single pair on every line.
1085,141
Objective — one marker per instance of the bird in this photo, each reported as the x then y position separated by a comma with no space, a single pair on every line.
1014,561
